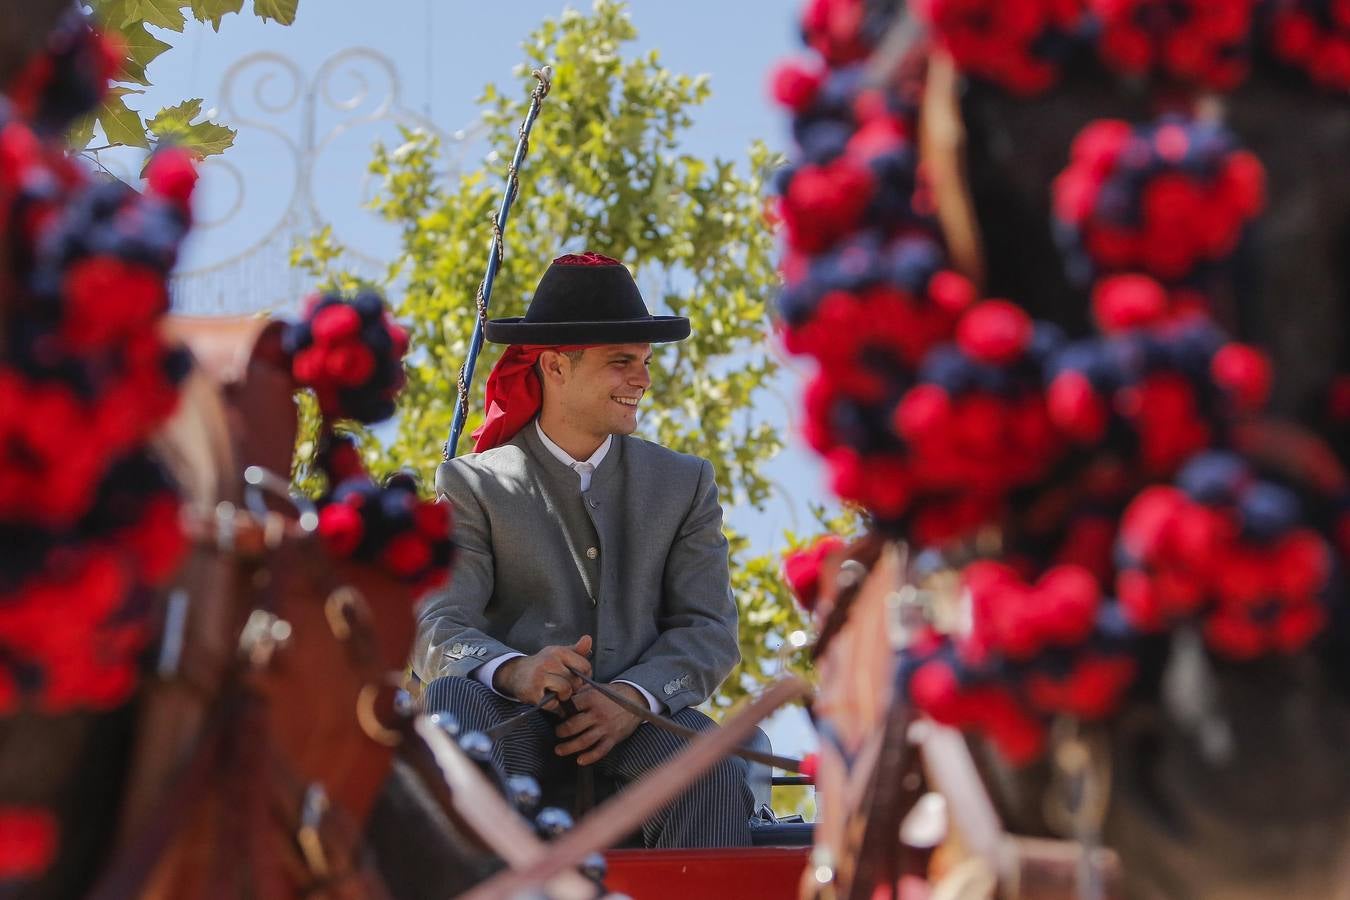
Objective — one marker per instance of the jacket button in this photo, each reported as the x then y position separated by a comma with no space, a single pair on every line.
592,553
595,504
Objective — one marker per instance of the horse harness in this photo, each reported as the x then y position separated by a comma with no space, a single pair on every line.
289,810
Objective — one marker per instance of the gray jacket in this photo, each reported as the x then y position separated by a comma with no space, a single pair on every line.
639,562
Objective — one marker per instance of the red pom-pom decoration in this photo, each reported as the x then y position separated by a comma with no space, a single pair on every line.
823,203
1230,549
1016,44
801,569
796,84
110,299
1199,42
1245,372
1313,36
839,29
351,354
388,526
1161,200
172,174
88,520
341,528
1124,302
995,332
28,841
1157,394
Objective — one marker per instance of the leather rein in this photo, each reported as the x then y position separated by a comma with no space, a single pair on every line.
664,723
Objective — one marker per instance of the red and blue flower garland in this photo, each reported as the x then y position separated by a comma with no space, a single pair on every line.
89,522
936,424
349,351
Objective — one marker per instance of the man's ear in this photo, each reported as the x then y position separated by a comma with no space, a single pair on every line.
551,366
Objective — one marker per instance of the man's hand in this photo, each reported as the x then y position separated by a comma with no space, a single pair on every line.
527,677
598,724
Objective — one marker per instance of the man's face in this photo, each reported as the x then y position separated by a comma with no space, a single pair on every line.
599,393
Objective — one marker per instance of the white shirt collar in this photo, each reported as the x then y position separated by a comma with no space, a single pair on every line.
566,458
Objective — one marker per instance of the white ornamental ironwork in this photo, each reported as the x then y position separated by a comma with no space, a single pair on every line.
286,126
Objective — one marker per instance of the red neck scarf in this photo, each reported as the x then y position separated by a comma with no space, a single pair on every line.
514,393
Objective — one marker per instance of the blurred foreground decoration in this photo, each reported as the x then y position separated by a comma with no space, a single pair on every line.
1103,528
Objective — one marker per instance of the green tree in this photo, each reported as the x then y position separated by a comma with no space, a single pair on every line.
605,171
122,123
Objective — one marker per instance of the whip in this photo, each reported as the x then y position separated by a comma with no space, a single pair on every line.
544,79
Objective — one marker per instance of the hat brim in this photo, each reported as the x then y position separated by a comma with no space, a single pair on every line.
655,330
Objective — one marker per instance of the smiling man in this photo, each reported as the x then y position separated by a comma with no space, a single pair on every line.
584,549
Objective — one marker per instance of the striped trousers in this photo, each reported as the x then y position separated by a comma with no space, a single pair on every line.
713,811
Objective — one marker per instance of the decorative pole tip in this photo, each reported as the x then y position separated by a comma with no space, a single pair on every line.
545,77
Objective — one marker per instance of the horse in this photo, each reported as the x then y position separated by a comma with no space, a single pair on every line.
263,755
270,751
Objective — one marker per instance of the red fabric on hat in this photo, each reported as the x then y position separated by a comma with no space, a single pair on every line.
589,258
514,393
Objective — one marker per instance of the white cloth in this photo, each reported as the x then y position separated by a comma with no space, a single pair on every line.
584,471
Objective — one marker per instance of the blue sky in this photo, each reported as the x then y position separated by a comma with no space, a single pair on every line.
444,53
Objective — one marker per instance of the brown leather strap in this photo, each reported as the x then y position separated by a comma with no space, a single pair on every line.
942,148
321,840
864,552
505,727
124,878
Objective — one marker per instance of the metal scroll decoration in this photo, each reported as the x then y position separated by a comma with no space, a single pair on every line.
267,96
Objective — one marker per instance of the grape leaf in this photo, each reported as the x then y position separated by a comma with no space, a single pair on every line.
281,10
142,49
122,125
81,133
160,13
214,10
174,124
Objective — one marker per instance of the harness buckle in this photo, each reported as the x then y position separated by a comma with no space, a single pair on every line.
313,809
263,635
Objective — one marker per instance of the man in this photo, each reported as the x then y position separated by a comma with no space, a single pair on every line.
585,550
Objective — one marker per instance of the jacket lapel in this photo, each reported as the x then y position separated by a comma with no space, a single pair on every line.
559,487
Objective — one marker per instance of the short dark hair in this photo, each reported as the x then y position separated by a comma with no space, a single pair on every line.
573,355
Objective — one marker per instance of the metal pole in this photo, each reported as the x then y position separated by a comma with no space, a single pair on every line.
544,77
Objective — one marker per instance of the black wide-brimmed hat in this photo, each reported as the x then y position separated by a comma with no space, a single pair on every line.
587,299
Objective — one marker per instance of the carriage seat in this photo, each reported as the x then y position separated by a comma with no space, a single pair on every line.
767,829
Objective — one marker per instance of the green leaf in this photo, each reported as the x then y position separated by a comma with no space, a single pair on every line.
81,133
281,10
142,49
208,138
160,13
122,125
174,124
214,10
172,120
112,13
